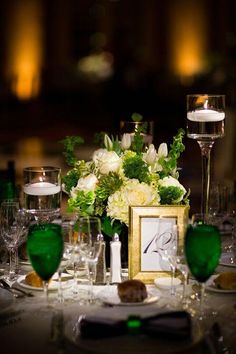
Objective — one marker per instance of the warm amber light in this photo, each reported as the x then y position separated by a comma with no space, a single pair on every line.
24,48
187,38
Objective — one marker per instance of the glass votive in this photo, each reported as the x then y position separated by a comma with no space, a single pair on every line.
147,129
42,190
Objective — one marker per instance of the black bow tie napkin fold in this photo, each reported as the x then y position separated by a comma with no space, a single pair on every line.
176,324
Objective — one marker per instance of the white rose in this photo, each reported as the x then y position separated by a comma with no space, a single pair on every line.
108,161
86,184
97,154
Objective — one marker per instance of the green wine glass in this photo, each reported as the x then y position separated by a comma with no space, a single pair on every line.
202,250
45,250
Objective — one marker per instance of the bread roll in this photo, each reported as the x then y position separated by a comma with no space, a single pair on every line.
132,291
33,279
226,281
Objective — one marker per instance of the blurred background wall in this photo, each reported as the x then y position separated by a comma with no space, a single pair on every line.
76,67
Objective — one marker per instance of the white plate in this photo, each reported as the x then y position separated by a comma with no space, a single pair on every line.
165,282
138,344
6,299
226,260
53,285
112,298
210,286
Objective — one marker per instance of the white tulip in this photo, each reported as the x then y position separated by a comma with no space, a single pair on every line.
108,143
163,150
126,141
151,154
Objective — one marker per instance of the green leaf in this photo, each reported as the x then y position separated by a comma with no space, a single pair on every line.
136,117
70,143
110,227
169,164
70,179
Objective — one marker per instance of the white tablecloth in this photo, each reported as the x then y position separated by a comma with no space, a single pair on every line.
24,329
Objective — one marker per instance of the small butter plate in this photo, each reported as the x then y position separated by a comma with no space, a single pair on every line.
53,285
165,282
210,286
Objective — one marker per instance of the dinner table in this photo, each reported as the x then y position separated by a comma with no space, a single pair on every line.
29,325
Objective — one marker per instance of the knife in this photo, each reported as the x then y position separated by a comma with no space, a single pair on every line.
12,289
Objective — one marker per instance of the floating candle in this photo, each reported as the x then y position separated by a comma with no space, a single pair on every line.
41,188
206,115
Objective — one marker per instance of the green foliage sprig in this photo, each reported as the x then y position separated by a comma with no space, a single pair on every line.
176,148
135,167
70,143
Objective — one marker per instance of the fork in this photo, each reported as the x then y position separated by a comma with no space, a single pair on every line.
8,287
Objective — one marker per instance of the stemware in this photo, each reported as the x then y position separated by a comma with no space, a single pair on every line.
182,266
168,249
67,223
205,124
13,227
45,250
89,232
202,249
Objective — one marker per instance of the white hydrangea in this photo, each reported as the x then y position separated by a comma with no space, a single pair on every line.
132,193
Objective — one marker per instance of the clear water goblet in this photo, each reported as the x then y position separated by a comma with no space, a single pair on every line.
168,249
89,231
13,223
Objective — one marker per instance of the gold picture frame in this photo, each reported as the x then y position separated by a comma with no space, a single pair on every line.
143,219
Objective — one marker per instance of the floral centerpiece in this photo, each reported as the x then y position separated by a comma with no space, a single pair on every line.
121,174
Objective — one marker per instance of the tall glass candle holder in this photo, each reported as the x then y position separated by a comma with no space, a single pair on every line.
42,191
205,124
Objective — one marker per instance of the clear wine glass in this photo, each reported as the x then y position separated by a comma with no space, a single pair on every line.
205,124
89,231
168,250
45,250
67,223
202,250
13,227
182,266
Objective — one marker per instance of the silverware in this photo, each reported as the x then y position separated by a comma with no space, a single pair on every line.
13,288
15,293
